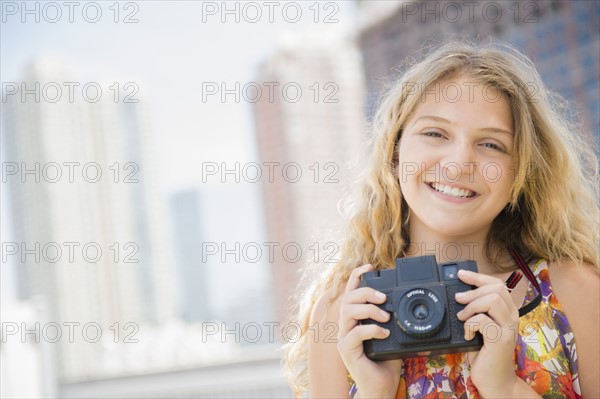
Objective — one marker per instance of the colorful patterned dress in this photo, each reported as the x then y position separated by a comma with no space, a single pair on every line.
545,356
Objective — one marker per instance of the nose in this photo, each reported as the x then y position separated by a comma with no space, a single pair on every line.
459,162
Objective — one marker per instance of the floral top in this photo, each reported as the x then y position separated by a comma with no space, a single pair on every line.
545,356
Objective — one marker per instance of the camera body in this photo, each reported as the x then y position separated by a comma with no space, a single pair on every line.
420,297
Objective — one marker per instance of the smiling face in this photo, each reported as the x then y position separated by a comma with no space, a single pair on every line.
456,159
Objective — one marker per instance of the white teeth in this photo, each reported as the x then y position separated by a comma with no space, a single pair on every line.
452,191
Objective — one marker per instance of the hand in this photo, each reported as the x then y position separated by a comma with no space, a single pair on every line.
373,379
491,311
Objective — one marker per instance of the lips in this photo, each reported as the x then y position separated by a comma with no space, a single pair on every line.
450,191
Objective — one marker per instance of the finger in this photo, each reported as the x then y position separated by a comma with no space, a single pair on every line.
364,295
362,312
491,288
487,285
477,279
489,330
483,324
354,279
346,324
349,317
351,345
494,306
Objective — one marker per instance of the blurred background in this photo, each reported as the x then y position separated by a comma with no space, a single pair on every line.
168,168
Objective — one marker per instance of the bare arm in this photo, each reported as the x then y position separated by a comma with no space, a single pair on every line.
328,377
577,288
329,360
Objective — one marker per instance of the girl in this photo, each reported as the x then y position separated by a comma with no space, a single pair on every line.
471,159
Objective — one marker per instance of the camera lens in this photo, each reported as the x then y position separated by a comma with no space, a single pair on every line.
420,311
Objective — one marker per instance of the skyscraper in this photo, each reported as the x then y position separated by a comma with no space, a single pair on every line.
310,132
561,37
191,272
87,225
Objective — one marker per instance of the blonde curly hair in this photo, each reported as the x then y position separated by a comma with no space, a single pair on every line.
553,211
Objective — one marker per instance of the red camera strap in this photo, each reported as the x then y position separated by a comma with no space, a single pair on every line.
527,272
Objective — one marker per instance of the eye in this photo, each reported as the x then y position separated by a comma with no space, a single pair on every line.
493,146
433,134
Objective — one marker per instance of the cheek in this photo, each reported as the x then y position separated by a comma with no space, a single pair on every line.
414,161
504,182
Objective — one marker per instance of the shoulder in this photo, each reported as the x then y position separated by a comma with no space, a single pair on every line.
570,279
577,289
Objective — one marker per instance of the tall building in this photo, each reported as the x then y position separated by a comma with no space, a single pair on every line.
191,271
561,37
310,140
87,224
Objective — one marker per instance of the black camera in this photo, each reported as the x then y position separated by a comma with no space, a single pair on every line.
420,297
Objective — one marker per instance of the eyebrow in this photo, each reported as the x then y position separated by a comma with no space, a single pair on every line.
485,129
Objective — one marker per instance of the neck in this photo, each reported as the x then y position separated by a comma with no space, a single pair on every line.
451,248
